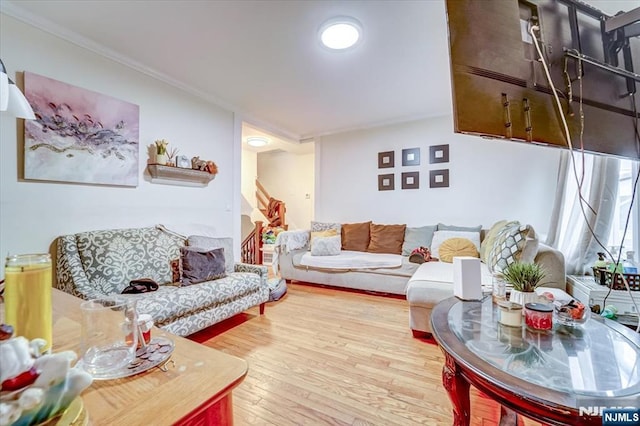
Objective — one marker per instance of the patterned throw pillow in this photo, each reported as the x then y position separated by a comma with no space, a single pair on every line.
515,243
326,246
490,238
457,247
323,226
440,237
318,234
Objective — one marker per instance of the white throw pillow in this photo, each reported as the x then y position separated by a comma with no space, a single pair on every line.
326,246
440,237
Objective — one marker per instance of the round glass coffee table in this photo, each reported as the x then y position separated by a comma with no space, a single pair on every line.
557,377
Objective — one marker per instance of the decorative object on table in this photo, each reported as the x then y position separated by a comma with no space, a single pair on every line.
27,296
410,180
571,313
498,287
161,151
386,182
183,162
36,388
411,157
106,324
386,159
79,135
524,278
538,316
438,154
510,314
155,354
439,178
467,284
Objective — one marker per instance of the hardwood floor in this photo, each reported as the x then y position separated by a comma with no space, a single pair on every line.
323,356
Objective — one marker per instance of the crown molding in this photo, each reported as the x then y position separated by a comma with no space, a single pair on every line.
370,125
9,8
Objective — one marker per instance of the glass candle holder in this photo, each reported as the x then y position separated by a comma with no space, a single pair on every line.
510,314
27,296
538,316
499,288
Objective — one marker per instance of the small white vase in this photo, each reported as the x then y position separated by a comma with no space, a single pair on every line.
523,298
161,159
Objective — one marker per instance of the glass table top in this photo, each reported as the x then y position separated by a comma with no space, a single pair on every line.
591,359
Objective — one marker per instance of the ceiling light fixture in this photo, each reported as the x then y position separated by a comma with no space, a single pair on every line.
11,98
340,33
257,141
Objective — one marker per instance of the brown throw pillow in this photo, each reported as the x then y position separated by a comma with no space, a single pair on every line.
355,236
386,238
199,265
457,247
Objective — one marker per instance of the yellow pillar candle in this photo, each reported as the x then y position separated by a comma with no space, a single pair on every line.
27,296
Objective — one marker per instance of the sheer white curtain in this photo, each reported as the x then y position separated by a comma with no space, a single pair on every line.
569,231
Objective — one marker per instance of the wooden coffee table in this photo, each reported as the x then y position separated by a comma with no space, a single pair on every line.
545,376
196,390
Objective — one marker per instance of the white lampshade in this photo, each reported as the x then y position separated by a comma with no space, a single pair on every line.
4,91
11,98
18,104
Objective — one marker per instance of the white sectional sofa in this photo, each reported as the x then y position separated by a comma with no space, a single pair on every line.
423,284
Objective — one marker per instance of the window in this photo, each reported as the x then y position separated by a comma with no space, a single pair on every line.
628,173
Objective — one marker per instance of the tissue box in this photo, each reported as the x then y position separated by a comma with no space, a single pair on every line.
467,282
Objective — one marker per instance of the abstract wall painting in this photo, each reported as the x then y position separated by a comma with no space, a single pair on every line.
79,135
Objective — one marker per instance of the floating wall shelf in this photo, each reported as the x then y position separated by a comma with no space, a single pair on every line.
179,176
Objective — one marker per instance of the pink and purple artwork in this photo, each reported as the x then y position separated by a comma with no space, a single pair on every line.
79,135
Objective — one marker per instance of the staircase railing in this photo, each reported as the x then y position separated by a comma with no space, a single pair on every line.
266,203
274,210
250,250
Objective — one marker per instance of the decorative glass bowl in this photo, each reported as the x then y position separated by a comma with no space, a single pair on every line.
567,319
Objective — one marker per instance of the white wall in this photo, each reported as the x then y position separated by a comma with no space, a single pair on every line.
249,167
489,179
290,177
33,214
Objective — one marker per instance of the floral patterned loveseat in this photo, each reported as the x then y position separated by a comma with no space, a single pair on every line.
97,263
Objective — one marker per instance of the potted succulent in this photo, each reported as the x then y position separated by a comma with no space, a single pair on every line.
525,278
161,151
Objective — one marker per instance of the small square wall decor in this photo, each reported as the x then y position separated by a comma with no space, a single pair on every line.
411,157
438,154
439,178
385,159
411,180
386,182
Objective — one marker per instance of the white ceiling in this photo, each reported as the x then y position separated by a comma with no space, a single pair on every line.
263,58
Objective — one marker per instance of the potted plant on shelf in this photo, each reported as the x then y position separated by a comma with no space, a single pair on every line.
525,278
161,151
